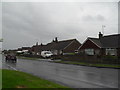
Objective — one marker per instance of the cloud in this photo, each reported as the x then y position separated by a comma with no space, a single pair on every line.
100,18
27,23
93,18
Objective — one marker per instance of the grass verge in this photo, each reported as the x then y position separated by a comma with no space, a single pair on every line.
17,79
88,64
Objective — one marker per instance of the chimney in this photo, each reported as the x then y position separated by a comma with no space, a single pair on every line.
36,43
56,40
53,40
100,35
41,44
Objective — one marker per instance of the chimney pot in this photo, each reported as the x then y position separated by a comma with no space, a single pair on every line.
100,35
56,40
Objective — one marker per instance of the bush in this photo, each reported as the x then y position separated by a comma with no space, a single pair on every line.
110,57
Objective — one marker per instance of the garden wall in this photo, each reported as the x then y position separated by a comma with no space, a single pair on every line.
90,59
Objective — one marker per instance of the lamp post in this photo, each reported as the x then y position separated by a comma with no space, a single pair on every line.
1,40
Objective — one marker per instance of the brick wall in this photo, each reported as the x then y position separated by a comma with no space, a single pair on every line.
90,59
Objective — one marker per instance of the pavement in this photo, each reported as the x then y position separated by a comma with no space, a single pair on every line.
73,76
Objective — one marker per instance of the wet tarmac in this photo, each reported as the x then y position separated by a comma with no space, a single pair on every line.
69,75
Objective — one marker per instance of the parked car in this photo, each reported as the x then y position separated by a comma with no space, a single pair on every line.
46,54
10,58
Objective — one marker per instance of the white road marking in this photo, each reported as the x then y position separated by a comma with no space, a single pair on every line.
12,67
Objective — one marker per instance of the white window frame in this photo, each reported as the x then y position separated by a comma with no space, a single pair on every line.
89,51
111,51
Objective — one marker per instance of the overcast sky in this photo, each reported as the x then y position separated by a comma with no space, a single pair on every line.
24,24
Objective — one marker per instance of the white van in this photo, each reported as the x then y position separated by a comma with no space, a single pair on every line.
46,54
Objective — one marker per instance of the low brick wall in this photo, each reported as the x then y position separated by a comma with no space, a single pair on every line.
82,58
89,59
32,56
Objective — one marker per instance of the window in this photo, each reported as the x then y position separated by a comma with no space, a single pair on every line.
55,52
89,51
110,51
76,51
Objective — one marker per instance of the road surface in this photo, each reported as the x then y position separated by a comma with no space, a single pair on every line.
69,75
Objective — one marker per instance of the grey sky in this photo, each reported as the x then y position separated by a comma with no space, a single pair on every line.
24,24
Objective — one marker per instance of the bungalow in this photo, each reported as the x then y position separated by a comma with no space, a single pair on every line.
104,45
63,47
58,47
23,50
35,49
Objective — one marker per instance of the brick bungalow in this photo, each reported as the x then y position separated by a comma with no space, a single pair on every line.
35,49
23,49
58,47
104,45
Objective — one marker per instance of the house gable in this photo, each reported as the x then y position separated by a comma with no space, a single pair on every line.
74,45
89,44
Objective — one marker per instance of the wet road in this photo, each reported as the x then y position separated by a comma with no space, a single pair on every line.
70,75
